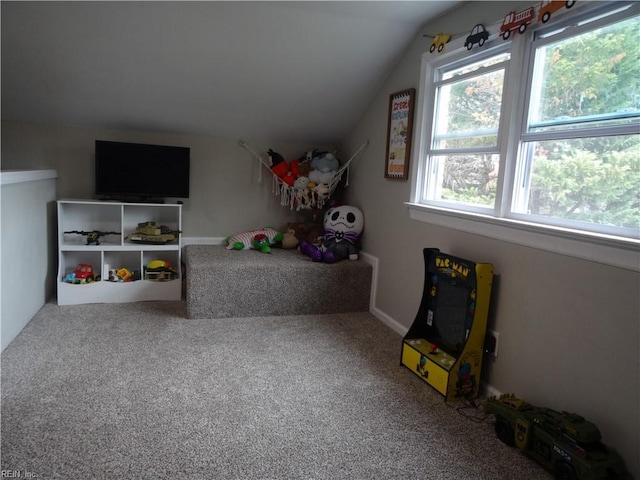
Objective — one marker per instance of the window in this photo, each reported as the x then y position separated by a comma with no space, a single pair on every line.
464,154
543,129
580,148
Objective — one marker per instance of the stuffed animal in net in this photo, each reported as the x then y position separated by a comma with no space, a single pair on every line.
342,228
326,162
260,239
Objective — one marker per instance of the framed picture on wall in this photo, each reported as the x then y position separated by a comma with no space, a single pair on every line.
399,134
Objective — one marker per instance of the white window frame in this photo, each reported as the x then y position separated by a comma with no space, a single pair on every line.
432,72
500,223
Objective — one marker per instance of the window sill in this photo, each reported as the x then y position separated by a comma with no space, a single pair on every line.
614,251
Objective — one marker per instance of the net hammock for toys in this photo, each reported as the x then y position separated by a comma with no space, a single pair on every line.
308,198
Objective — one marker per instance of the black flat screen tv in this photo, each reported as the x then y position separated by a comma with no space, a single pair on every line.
140,172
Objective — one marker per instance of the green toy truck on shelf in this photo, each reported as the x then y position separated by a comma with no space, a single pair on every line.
152,234
563,442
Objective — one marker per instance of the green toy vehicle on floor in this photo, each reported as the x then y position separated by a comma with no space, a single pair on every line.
565,443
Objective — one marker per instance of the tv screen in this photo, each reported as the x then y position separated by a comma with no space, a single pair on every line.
129,171
451,320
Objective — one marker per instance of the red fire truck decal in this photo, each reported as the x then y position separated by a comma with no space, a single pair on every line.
516,21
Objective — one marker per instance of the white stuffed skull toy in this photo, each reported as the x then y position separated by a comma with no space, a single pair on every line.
342,228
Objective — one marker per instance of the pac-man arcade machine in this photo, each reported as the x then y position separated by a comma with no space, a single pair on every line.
444,345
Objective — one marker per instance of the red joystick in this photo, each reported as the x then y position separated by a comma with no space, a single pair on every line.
434,348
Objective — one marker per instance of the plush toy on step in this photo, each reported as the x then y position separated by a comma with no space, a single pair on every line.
313,233
260,239
342,228
289,241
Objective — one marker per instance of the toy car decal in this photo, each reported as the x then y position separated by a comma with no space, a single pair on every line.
477,35
439,41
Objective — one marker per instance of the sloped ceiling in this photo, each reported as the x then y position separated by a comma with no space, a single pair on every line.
289,71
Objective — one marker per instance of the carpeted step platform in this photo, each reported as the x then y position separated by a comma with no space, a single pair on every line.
223,283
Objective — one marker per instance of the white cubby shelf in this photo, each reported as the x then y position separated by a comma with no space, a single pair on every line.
115,251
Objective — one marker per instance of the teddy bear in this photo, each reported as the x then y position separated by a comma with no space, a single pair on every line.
289,241
343,225
304,168
309,232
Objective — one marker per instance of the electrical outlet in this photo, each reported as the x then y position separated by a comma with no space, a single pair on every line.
496,336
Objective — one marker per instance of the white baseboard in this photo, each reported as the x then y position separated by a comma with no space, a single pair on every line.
489,391
373,261
375,311
389,321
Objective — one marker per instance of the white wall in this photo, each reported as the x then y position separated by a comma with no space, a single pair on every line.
27,262
569,328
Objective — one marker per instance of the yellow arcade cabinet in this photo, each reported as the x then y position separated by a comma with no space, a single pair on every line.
444,345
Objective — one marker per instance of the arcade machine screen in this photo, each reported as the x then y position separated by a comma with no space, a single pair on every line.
451,320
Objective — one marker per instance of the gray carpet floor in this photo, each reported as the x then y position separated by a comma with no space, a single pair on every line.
139,391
